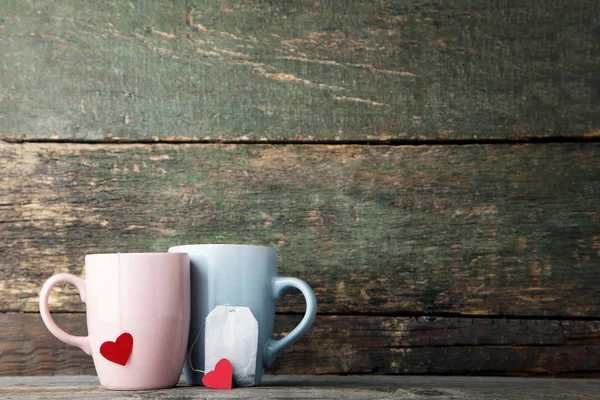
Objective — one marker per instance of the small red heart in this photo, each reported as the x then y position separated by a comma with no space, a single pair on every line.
221,377
119,350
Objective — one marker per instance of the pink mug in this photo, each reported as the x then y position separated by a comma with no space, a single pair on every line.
138,316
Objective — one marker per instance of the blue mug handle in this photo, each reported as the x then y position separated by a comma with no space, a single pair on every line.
274,347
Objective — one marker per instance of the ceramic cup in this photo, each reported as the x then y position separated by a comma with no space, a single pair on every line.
240,276
138,315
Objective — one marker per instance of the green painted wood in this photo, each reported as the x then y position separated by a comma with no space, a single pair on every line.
486,230
299,69
357,345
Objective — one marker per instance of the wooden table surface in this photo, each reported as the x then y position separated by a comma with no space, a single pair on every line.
322,387
430,168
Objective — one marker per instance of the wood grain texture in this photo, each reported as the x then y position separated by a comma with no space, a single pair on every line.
357,345
510,230
27,348
298,69
487,230
320,387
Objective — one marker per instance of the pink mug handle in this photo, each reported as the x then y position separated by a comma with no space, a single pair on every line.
79,341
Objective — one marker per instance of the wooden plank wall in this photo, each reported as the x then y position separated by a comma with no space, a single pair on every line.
431,168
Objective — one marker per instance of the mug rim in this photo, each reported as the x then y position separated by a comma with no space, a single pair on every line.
175,249
156,253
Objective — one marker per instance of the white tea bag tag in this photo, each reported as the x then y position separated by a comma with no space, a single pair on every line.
232,333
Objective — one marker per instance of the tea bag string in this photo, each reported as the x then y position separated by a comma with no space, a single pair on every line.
119,288
192,348
231,309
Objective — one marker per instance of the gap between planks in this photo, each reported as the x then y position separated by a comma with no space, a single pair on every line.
431,317
587,138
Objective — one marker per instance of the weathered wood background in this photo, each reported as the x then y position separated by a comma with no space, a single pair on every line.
431,168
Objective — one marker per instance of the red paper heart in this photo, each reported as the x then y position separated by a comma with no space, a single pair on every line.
221,377
119,350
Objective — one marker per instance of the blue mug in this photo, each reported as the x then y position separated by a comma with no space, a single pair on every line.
239,276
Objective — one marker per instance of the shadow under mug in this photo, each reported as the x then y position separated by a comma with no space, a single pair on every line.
145,295
239,276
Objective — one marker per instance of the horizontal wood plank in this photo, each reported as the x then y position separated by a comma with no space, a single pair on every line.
357,345
487,230
306,70
321,387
